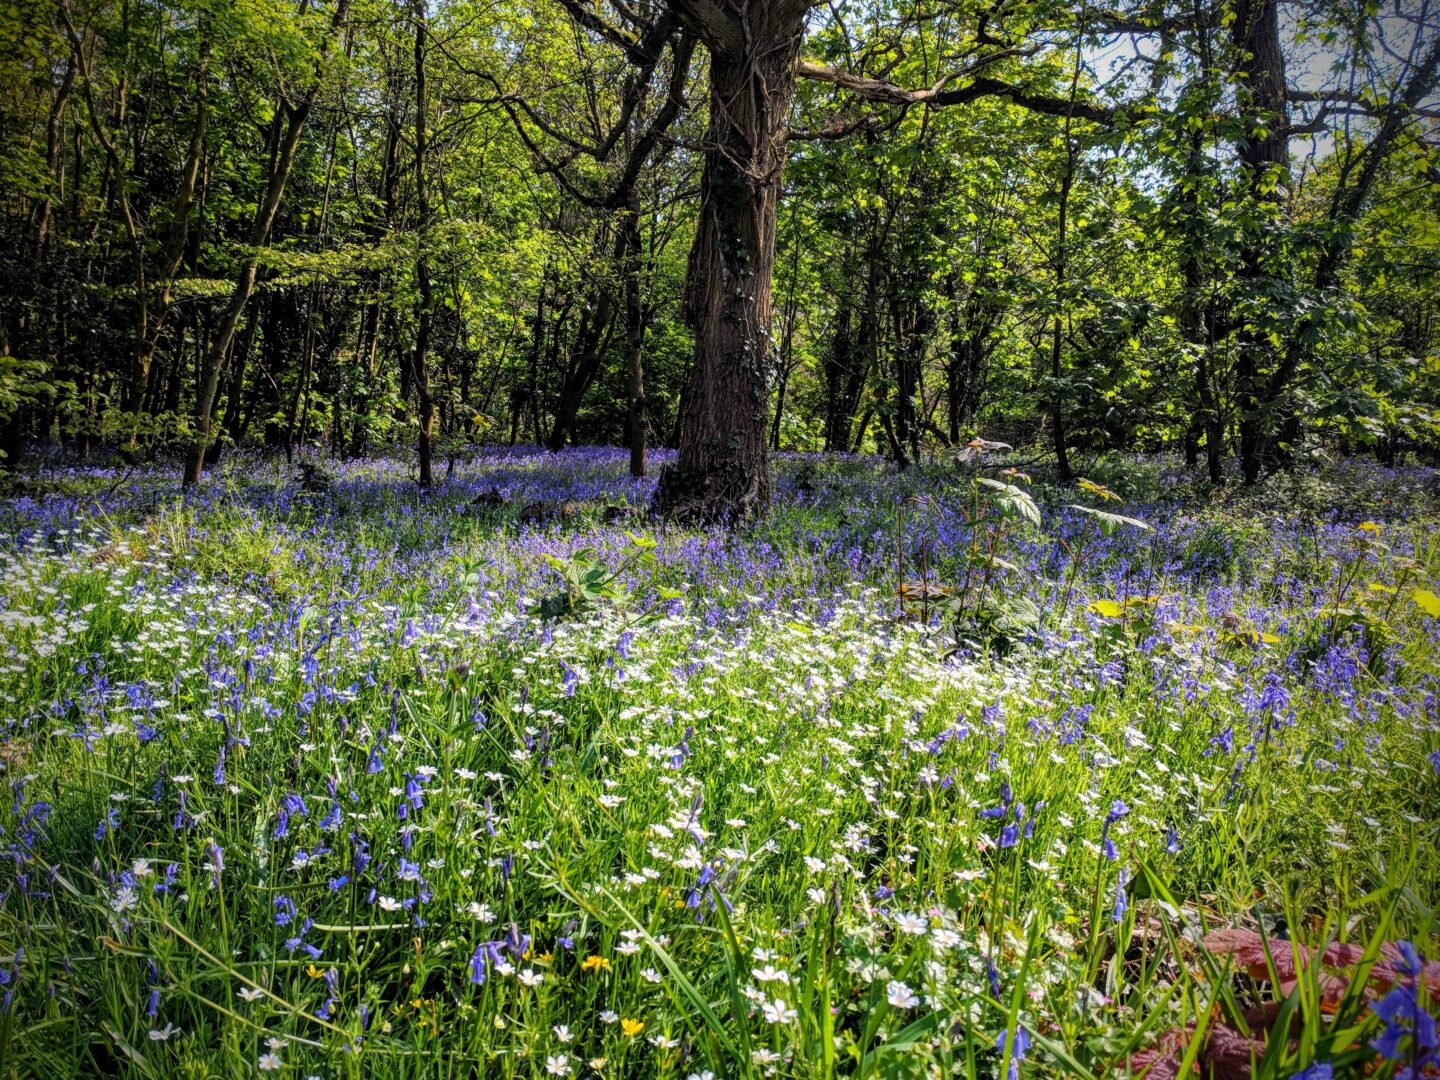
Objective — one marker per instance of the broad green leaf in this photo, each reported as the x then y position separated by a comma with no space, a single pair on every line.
1110,523
1427,601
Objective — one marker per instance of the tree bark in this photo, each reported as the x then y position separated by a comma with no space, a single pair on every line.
1264,153
722,468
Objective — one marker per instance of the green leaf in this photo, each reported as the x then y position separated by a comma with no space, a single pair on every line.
1012,501
1427,601
1110,524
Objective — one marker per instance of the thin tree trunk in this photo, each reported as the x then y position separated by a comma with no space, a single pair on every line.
591,341
634,339
1057,395
116,168
53,120
371,320
1195,327
838,418
789,317
420,372
181,209
230,425
259,238
1062,258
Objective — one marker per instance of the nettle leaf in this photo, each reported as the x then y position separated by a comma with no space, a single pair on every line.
1110,524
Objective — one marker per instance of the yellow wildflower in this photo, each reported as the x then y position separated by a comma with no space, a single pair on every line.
630,1028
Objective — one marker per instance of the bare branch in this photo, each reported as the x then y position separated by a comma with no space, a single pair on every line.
1339,101
941,93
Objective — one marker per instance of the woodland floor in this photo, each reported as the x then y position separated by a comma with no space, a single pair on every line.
343,778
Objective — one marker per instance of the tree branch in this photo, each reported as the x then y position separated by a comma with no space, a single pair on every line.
711,24
681,52
581,13
1118,22
1340,101
941,94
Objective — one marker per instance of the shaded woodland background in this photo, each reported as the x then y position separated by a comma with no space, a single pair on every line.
1204,225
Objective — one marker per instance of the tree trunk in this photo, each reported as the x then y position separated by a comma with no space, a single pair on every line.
591,341
245,280
231,422
53,166
970,347
520,393
1057,373
294,427
722,468
420,374
634,339
371,320
1196,325
1346,206
790,314
1264,153
175,242
838,420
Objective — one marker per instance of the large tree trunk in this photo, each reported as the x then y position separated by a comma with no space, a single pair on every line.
722,468
1264,153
